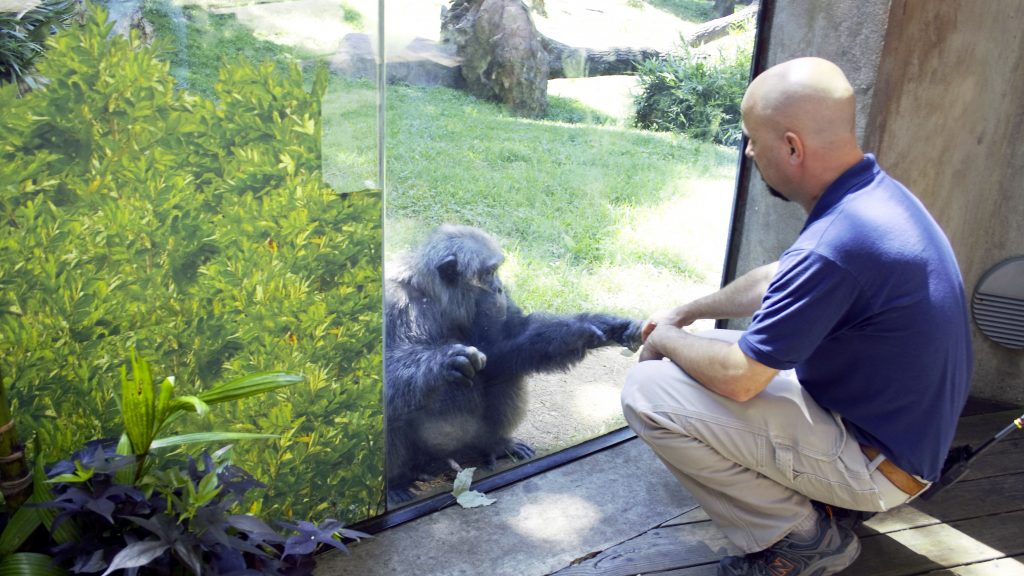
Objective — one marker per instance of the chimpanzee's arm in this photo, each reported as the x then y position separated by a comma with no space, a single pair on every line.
543,342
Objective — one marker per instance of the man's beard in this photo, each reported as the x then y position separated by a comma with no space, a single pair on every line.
777,194
773,191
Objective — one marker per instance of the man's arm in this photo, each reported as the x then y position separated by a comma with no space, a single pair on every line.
741,297
721,367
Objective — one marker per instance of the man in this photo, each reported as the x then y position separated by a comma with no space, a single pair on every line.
846,387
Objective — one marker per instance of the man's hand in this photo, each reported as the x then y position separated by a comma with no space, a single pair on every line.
658,333
675,317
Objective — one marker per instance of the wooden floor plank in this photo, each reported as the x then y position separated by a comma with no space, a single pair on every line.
983,426
965,499
1001,567
975,430
1003,458
658,550
696,514
702,570
940,546
686,543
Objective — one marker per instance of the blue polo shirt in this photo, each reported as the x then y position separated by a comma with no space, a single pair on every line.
868,306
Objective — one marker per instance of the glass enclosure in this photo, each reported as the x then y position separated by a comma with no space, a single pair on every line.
577,169
220,188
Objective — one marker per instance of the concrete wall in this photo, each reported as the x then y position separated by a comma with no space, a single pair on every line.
948,121
847,32
940,88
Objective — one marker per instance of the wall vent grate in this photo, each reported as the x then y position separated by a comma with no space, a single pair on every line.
998,303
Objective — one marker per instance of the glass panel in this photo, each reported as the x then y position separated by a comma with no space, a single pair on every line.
208,202
592,199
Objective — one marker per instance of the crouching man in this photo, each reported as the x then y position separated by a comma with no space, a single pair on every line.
844,391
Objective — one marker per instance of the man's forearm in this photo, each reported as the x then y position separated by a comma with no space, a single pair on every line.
719,366
740,298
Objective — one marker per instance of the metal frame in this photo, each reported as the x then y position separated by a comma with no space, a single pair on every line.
759,63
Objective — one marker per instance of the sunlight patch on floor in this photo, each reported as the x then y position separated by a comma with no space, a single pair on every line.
561,519
1001,567
944,545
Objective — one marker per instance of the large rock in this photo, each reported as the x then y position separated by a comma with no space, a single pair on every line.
503,57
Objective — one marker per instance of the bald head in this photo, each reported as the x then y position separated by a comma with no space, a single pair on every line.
810,96
799,117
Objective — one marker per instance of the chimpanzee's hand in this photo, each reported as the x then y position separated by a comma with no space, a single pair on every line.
462,364
614,329
585,335
630,336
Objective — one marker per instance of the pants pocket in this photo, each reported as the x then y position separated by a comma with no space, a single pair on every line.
784,461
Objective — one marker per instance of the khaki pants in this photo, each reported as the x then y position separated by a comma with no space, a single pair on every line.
754,466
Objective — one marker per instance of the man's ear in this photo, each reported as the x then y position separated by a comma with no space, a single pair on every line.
796,148
448,270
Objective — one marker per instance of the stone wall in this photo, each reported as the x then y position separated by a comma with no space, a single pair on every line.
947,120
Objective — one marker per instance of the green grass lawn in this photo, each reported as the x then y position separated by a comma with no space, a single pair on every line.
592,216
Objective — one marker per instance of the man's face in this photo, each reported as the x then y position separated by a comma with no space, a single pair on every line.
759,150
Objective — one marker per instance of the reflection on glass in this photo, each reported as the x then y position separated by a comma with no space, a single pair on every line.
590,199
170,199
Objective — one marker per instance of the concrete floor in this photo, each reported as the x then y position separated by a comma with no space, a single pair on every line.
536,527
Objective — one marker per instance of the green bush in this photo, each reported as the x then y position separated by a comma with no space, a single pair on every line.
694,94
199,232
23,36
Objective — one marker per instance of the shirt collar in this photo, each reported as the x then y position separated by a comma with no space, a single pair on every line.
847,183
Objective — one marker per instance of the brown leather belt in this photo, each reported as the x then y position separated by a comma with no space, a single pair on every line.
902,480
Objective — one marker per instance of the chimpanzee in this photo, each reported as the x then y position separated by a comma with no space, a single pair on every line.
456,354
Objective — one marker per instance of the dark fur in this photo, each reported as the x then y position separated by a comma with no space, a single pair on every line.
457,351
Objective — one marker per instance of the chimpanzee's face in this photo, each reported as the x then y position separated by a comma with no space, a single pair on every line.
490,295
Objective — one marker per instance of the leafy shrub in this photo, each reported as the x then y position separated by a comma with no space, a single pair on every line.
199,232
177,516
695,95
121,507
23,37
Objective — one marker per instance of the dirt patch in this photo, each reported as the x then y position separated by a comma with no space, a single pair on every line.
603,24
568,408
318,26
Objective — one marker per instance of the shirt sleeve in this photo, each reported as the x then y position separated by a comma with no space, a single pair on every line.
805,300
